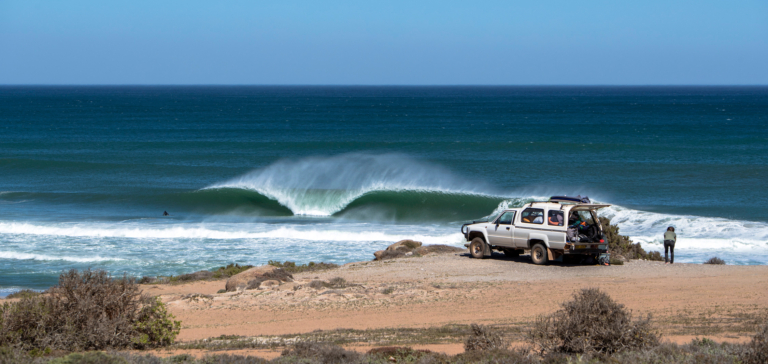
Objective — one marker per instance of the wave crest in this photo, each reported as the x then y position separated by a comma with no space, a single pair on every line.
323,186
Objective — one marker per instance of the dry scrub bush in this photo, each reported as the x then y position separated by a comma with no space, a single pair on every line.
337,282
88,311
757,349
291,267
715,261
320,352
591,323
484,338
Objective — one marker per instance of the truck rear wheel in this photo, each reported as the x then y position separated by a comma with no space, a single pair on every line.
539,254
477,248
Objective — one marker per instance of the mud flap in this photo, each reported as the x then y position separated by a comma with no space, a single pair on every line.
550,257
487,250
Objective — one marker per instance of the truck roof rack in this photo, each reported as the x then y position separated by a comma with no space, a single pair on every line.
569,199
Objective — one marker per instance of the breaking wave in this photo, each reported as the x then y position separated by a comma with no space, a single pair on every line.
325,186
352,233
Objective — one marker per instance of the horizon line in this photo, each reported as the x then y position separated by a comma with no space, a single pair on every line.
363,85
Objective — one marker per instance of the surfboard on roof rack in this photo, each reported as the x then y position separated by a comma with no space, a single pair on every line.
569,199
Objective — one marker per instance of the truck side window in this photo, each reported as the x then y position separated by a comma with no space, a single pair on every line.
555,218
533,216
507,218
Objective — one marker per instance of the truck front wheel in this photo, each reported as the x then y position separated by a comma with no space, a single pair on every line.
539,254
476,248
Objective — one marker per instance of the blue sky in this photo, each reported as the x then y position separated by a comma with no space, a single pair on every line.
384,42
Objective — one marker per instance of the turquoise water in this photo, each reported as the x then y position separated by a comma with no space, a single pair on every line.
250,174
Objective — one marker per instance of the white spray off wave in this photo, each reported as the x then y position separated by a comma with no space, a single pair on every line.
322,186
694,232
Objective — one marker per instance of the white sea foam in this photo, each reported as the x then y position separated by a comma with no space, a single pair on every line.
322,186
228,231
30,256
694,232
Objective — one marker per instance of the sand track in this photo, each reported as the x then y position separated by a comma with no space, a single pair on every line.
686,300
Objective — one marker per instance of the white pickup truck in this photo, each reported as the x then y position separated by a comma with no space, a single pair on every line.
551,230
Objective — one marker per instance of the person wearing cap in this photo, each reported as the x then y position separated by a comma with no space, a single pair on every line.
670,238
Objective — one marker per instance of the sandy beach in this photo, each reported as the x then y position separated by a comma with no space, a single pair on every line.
411,295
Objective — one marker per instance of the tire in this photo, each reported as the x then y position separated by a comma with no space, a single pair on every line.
539,254
477,248
512,253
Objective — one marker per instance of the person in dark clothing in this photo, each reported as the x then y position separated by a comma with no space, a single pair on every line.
670,238
165,213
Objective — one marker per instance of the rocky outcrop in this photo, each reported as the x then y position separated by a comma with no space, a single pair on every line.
263,273
397,249
405,248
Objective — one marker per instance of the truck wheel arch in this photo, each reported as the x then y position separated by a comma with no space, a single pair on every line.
538,238
477,234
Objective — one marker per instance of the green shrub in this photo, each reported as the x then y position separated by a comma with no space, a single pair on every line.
87,310
388,290
621,245
291,267
230,270
715,260
591,323
24,293
155,325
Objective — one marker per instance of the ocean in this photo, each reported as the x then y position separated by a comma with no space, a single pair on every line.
252,174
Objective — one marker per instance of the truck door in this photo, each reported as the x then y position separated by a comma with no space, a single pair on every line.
531,219
502,231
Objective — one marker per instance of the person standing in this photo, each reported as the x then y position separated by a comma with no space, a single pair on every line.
670,238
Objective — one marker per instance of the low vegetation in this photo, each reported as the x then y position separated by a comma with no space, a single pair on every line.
483,346
715,261
292,267
336,282
24,293
591,323
621,245
87,310
484,338
203,275
232,269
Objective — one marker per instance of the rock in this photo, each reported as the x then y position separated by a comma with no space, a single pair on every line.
404,245
262,273
397,250
404,248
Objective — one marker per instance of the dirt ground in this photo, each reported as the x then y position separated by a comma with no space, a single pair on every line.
724,303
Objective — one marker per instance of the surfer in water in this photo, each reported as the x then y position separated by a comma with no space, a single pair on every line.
165,213
670,238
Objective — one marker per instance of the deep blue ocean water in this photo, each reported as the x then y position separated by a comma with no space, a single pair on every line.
251,174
